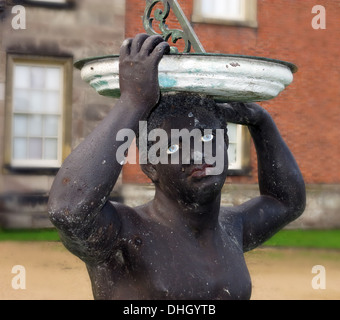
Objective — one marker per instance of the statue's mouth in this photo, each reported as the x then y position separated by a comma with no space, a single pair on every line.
200,171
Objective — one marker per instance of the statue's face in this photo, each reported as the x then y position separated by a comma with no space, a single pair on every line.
197,168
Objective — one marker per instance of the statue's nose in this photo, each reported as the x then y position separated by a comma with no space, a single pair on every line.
197,156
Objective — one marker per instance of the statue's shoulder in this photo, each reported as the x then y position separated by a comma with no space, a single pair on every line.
121,207
229,215
130,217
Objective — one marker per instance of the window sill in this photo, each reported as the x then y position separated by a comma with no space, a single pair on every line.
239,172
236,23
50,5
38,171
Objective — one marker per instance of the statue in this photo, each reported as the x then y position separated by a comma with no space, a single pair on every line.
182,244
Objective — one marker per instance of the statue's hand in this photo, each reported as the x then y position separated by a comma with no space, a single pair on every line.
138,69
249,114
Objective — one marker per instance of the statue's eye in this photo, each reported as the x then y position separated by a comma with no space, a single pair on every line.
172,149
207,137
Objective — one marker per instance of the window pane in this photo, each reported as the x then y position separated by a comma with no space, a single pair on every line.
35,126
207,7
21,100
35,148
51,149
37,101
22,77
52,101
37,110
234,9
20,126
20,149
222,9
37,77
53,78
232,153
232,132
51,126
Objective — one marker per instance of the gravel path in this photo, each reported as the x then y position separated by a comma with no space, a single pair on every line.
52,273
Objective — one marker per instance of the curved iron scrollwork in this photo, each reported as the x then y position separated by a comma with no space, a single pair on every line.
187,34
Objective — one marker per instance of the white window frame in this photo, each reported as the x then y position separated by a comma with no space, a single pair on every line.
40,162
64,112
248,14
238,164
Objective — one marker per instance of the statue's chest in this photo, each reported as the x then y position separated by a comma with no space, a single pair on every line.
177,269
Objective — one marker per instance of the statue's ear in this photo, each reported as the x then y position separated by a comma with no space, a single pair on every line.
150,171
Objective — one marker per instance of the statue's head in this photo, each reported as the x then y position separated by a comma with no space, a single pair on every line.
186,147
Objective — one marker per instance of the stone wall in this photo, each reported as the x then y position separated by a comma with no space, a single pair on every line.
88,28
322,210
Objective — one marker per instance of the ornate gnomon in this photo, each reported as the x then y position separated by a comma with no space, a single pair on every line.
187,34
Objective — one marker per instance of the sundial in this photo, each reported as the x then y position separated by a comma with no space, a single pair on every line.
225,77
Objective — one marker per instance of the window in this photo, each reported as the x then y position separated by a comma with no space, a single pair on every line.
239,148
238,12
234,151
37,116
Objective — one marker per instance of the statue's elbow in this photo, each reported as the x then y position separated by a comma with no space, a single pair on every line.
54,211
300,208
58,211
298,201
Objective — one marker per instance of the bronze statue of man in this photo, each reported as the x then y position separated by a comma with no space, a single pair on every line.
182,244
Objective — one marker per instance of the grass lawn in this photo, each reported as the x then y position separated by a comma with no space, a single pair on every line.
29,235
326,239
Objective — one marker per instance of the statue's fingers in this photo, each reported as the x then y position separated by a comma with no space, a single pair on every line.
138,43
161,49
150,45
125,47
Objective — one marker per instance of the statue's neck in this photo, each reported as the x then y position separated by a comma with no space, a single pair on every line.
196,218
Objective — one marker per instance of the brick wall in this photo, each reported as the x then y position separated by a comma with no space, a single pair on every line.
307,113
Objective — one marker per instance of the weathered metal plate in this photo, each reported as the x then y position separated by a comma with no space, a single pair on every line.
225,77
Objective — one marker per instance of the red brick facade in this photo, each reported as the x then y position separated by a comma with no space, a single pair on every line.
307,113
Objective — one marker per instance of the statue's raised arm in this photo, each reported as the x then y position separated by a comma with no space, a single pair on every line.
78,203
283,194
